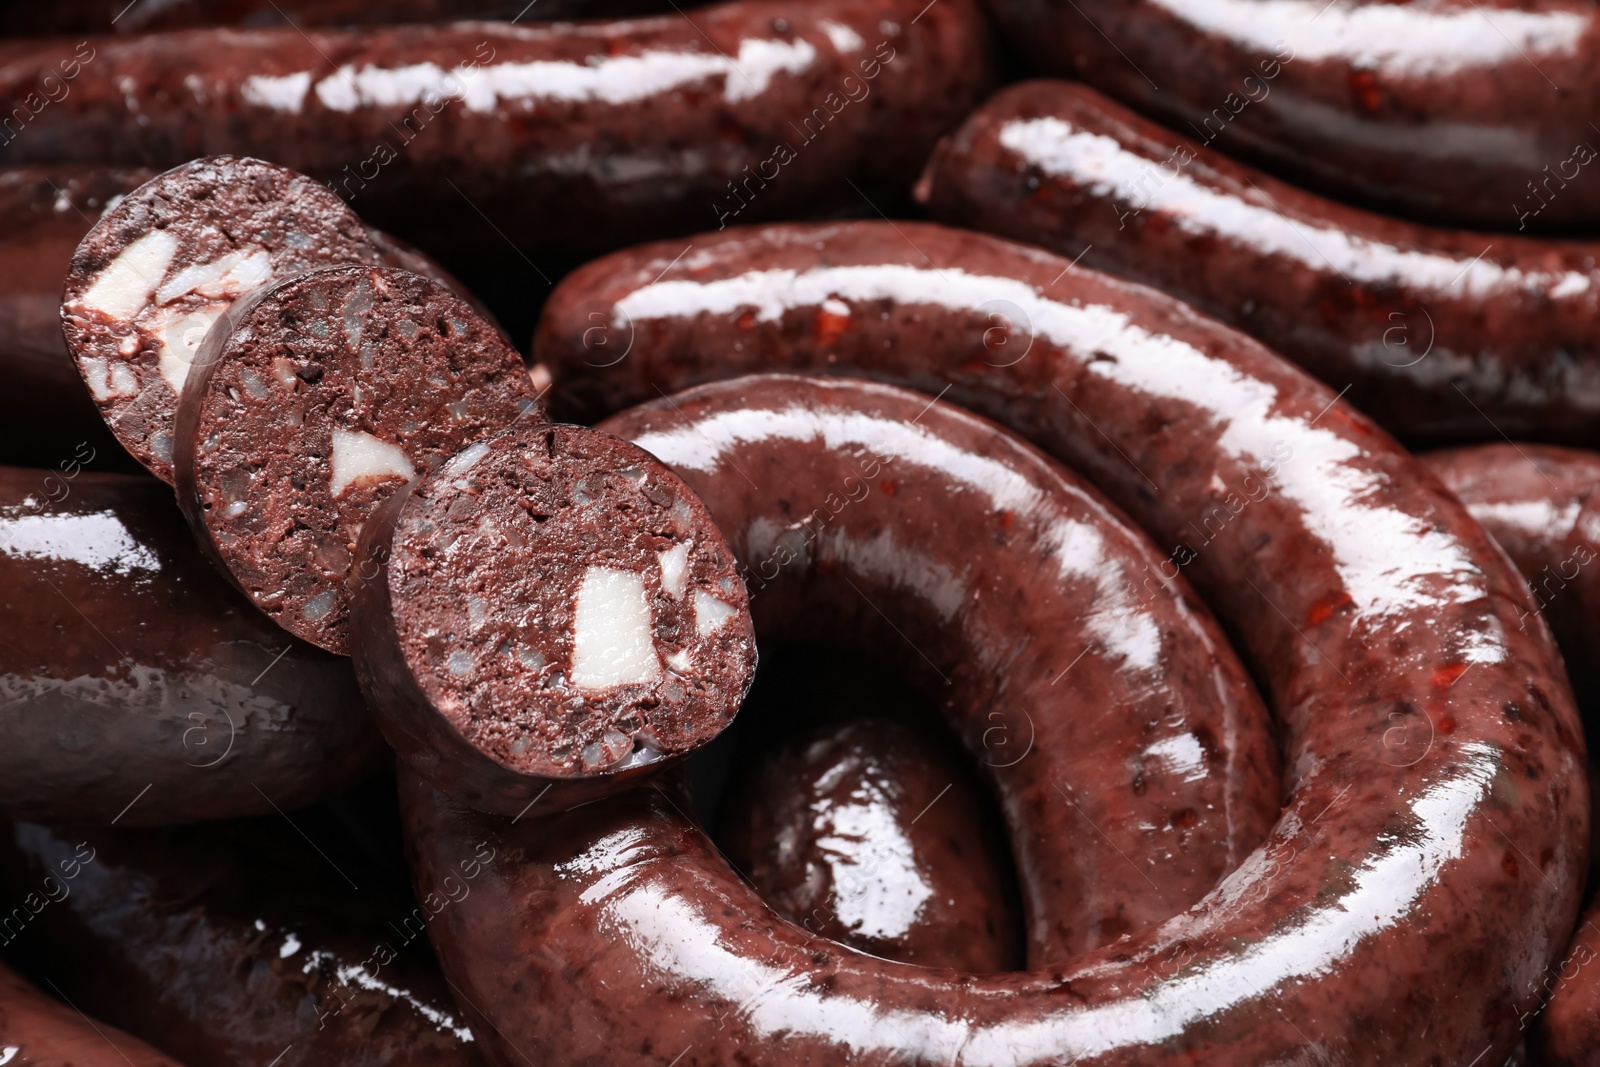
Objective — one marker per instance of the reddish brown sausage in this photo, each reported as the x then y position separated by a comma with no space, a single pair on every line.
1543,505
1381,617
36,1031
44,213
870,833
136,686
128,16
583,135
238,943
1439,334
1465,113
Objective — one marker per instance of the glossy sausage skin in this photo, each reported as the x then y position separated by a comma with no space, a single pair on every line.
1455,111
447,134
236,943
1380,616
1441,335
44,213
36,1031
136,685
121,17
1543,505
869,833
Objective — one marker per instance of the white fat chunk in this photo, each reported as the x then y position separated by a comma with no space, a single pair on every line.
611,639
710,613
674,568
108,380
180,331
360,458
125,285
229,275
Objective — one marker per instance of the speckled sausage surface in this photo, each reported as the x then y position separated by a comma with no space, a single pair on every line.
1441,335
548,615
44,213
136,685
1427,862
1474,114
237,943
1540,503
869,833
583,135
36,1031
309,403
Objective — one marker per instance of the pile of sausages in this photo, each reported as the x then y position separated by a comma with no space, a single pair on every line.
1176,581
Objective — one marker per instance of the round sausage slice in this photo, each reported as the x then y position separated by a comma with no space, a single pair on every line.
551,609
309,403
159,268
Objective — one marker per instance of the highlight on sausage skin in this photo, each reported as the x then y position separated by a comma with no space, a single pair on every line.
36,1029
1442,335
163,264
550,609
311,401
870,833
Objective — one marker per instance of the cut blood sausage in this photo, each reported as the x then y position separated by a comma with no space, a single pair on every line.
1387,917
569,135
44,213
1441,335
1453,111
551,609
136,685
309,403
953,549
36,1031
869,833
1543,505
159,268
237,943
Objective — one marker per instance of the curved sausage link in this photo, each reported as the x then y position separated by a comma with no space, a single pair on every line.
1428,858
1450,111
136,686
1543,505
1440,334
236,943
36,1031
445,134
868,832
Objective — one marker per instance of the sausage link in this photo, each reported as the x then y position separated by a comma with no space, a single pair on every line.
36,1031
236,943
1441,335
870,833
1448,111
44,213
135,685
580,135
1428,858
1543,505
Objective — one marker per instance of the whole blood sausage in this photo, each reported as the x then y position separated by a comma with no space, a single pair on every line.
125,17
1452,110
551,609
1541,503
579,135
36,1031
136,686
309,403
162,265
238,943
44,213
869,833
1428,858
1440,334
950,547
